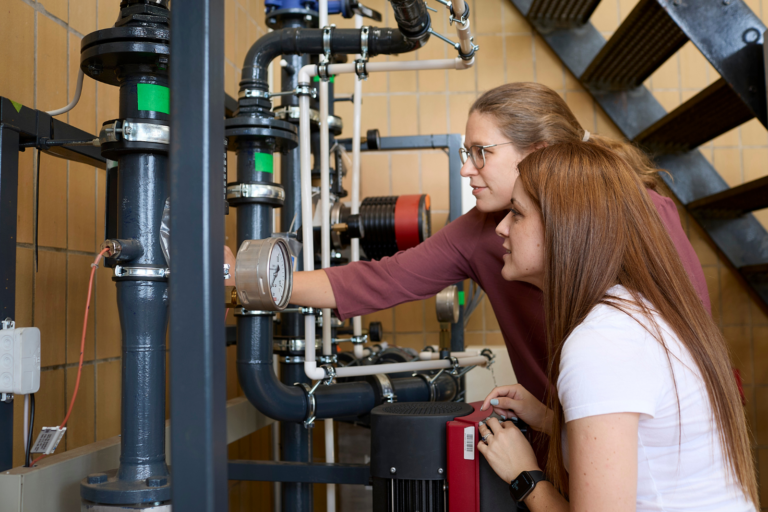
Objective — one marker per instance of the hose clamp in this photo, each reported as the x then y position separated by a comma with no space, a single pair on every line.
306,90
256,191
152,272
330,374
464,17
364,42
387,391
327,34
360,70
322,71
135,132
430,383
254,93
254,312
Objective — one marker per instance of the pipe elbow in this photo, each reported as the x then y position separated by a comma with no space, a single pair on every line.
270,396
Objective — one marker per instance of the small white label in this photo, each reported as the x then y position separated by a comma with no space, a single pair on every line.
48,440
469,443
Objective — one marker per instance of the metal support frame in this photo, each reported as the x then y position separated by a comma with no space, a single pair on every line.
451,143
730,36
299,472
198,360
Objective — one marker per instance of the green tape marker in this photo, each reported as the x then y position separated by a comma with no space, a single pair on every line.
262,162
461,298
17,106
153,97
317,78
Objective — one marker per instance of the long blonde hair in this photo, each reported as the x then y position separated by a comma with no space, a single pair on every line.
601,229
532,115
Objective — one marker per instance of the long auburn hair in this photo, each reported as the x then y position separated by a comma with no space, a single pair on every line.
601,229
531,115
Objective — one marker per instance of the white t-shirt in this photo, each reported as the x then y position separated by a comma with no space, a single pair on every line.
611,364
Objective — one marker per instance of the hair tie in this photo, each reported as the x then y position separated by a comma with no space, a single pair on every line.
585,138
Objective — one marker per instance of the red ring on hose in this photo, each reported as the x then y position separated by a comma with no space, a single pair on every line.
407,221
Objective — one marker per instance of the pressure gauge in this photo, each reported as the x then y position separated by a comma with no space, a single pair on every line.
264,274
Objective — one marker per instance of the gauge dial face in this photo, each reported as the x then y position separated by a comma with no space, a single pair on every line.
277,274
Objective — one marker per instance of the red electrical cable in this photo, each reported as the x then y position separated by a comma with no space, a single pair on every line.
94,266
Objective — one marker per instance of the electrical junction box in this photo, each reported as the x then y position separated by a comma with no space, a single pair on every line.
20,360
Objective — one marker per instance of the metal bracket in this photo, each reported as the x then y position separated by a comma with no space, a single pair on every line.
364,31
440,36
135,132
322,71
327,33
332,359
357,340
7,323
387,391
360,70
254,312
160,272
330,374
254,93
6,397
305,90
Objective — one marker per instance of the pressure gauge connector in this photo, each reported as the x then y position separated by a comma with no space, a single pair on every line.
264,274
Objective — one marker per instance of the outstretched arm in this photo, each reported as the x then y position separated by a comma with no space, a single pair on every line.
313,289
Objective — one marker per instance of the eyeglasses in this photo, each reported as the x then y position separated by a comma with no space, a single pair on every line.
477,154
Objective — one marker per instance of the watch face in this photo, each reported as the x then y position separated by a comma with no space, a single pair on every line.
521,486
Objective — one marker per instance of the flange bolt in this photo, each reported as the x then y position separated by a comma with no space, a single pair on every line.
157,481
440,471
392,470
97,478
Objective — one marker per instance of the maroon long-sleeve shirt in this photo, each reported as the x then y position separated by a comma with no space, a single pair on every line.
468,247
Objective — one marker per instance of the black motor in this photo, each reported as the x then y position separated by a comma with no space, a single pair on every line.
408,457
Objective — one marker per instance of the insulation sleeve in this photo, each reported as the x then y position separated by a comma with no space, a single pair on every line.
297,41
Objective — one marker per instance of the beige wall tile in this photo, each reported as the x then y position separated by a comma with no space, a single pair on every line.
403,81
705,252
25,207
753,133
25,271
434,179
242,44
81,217
415,341
668,75
670,100
376,110
17,31
712,276
107,13
50,306
512,20
108,101
755,163
727,161
519,58
52,223
409,317
51,64
605,126
474,338
433,81
230,24
489,73
486,16
83,116
735,299
374,174
78,275
693,68
458,111
403,115
82,16
476,321
605,18
761,413
583,108
386,317
760,344
439,220
81,425
549,69
108,337
108,396
405,173
433,113
50,401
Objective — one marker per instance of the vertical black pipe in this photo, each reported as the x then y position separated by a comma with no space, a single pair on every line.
198,356
142,306
9,183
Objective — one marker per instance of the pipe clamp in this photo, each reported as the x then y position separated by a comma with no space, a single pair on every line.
360,70
306,90
267,191
364,42
327,34
152,272
254,93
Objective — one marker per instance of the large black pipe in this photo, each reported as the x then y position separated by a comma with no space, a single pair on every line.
297,41
412,18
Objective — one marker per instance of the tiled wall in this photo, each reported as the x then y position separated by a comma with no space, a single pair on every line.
41,72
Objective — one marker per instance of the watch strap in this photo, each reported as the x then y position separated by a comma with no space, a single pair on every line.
515,487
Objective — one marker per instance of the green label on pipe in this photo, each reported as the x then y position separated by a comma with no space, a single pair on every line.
461,298
153,97
317,78
262,162
17,106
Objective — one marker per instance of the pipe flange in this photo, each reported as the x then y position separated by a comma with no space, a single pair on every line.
364,32
141,273
250,193
327,35
360,70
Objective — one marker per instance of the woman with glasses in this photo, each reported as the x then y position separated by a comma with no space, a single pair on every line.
504,126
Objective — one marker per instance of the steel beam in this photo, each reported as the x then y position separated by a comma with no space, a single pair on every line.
282,471
198,358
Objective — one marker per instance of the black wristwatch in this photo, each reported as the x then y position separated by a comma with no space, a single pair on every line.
524,484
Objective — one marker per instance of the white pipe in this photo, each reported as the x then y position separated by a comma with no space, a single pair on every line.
357,102
428,356
415,366
305,75
78,91
462,29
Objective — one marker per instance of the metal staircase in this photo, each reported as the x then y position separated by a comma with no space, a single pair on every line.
730,36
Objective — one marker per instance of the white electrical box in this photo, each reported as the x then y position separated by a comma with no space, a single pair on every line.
20,360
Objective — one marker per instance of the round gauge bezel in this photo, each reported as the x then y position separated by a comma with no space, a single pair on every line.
252,274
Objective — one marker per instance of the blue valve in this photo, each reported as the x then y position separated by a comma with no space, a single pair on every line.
347,8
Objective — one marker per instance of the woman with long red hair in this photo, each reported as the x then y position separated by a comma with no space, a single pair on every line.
643,409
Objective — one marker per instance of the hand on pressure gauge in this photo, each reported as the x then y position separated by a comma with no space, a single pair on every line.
264,274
